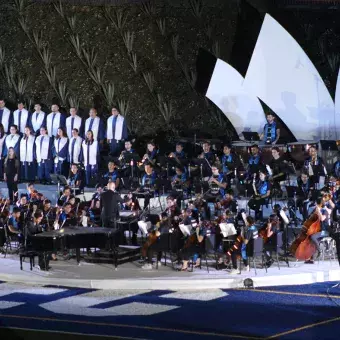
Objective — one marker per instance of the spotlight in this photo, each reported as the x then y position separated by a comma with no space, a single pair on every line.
248,283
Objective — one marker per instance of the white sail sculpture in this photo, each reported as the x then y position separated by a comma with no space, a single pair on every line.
281,74
226,90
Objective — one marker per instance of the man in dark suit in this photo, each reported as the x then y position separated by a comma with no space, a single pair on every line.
109,202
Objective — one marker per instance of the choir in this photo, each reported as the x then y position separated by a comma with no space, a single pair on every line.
50,143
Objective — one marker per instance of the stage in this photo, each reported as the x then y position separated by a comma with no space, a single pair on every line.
130,276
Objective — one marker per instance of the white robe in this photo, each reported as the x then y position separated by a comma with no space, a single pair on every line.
76,125
36,123
92,154
58,146
2,144
95,126
24,119
29,155
76,151
118,129
44,152
52,130
5,118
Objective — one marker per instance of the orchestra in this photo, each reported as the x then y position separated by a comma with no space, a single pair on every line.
201,189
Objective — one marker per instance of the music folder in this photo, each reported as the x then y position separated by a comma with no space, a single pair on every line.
144,226
227,229
185,229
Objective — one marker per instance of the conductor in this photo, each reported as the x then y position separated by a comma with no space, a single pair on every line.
109,201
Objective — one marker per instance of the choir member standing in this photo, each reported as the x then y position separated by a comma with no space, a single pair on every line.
37,119
96,125
60,153
2,145
54,120
5,115
116,131
27,156
74,122
91,156
11,176
75,148
43,147
20,118
12,140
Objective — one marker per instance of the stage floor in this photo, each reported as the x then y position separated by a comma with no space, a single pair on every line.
131,276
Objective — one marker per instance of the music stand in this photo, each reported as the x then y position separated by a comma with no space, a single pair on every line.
59,180
251,136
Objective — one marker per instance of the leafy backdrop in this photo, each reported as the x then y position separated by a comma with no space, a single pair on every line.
140,57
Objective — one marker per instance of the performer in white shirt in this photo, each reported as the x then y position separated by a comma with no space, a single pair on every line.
74,122
90,156
12,141
5,115
2,144
27,156
54,121
60,153
75,148
20,118
96,125
43,147
116,131
37,119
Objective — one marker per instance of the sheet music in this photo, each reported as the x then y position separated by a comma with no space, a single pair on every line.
144,226
227,229
185,229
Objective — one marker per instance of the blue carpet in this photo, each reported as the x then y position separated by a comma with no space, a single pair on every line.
232,314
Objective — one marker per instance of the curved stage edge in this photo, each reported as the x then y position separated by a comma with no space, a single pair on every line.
130,277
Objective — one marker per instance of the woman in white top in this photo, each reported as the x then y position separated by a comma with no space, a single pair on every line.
27,156
90,156
60,153
2,141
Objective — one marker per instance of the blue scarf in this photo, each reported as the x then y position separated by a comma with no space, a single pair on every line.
226,159
272,135
254,160
263,188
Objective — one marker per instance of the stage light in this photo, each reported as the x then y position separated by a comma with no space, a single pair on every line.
248,283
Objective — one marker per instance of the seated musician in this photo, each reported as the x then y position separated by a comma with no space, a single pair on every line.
148,182
179,155
161,236
15,224
49,214
271,133
124,160
193,247
112,175
230,161
245,248
334,189
262,190
35,227
96,195
131,204
229,202
180,184
209,157
324,208
276,170
76,179
268,233
65,217
30,191
226,217
151,155
66,195
94,213
255,163
314,165
304,194
23,202
217,184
